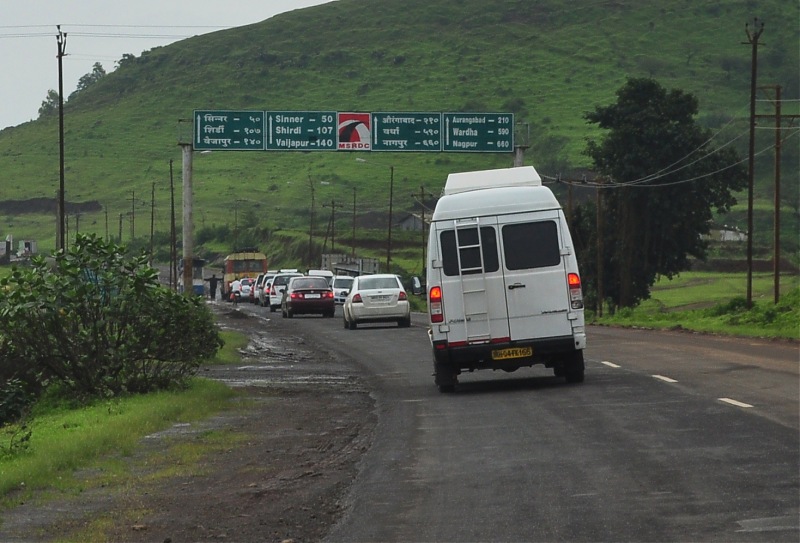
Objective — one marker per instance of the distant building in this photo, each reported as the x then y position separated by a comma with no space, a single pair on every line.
27,248
731,234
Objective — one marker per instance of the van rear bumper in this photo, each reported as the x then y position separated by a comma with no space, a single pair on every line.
548,351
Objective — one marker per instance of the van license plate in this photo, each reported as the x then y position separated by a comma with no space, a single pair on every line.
514,352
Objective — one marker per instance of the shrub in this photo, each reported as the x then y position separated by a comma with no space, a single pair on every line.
97,322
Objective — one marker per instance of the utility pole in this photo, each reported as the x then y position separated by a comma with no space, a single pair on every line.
752,40
106,210
389,239
61,40
332,225
173,246
777,200
152,218
133,215
421,202
353,237
599,219
188,223
311,226
120,229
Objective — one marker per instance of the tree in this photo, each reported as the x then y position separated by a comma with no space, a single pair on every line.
663,182
96,321
50,104
87,80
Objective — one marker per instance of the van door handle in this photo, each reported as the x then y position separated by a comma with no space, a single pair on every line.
515,285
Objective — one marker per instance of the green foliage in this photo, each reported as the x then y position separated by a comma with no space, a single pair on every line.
68,437
87,80
50,104
96,321
658,200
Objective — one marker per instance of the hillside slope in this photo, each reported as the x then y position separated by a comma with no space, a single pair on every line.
544,61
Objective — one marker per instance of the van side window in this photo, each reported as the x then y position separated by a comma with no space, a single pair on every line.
468,249
531,245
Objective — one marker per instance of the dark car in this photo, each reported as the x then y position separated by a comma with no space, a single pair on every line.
307,294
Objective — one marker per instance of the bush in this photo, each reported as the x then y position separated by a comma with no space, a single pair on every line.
97,322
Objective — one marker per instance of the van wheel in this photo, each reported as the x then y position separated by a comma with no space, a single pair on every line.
445,378
574,368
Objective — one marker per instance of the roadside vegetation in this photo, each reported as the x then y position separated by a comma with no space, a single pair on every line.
56,436
716,303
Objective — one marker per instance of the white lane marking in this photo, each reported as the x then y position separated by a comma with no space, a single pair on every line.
665,379
734,402
609,364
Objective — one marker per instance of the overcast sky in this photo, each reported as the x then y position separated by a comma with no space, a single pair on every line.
101,31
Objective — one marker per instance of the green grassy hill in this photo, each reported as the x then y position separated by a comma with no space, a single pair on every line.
546,61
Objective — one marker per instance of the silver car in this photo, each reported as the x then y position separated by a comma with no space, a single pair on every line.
341,286
376,298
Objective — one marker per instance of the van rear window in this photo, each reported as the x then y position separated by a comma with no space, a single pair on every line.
531,245
464,257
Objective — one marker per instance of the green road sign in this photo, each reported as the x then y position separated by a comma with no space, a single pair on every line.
301,130
478,132
407,131
228,130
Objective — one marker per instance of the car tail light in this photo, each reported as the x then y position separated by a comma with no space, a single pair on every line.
435,304
575,293
273,292
328,294
356,299
295,295
402,296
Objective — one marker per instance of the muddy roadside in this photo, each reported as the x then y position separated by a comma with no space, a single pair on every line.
299,426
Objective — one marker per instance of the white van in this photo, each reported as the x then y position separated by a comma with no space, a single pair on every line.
504,291
327,274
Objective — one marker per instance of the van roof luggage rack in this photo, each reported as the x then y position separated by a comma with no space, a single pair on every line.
523,176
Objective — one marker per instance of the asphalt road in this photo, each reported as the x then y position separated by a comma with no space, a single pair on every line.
672,437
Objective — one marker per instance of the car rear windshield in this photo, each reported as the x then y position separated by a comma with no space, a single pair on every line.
369,283
310,282
282,279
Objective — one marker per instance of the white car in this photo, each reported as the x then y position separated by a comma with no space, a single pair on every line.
376,298
262,293
341,287
279,283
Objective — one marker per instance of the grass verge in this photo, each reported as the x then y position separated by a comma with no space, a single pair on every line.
46,450
711,303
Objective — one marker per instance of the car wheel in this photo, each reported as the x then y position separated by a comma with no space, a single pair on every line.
346,324
272,309
404,323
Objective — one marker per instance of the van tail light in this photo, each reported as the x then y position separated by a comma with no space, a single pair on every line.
575,292
435,304
402,296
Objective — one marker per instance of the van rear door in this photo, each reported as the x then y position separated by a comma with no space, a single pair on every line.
472,280
536,291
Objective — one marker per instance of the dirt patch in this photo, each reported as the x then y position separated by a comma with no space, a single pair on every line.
301,424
